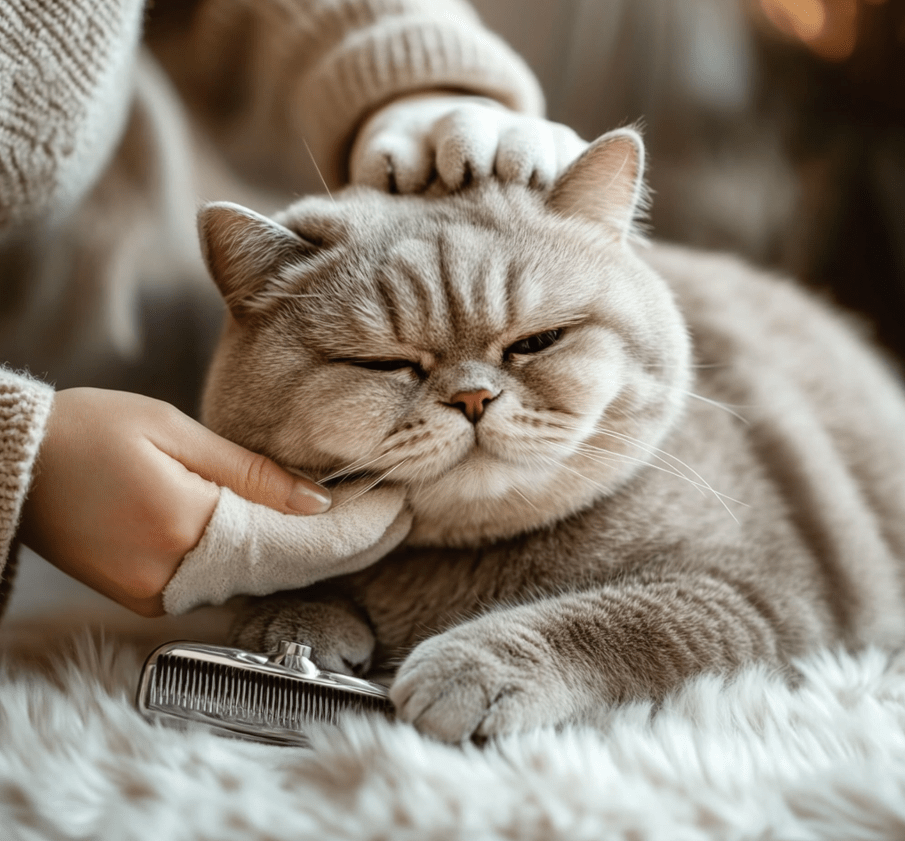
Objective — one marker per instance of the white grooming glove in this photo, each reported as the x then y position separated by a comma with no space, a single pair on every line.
250,549
459,137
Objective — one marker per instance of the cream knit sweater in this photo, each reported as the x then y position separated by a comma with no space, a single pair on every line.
92,139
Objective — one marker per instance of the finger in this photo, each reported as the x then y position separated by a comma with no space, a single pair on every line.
413,164
517,155
398,163
370,164
466,141
544,173
250,475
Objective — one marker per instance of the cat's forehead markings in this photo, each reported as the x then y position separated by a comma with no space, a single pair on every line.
403,279
440,282
475,276
451,277
456,287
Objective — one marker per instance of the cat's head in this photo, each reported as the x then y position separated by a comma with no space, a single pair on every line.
500,351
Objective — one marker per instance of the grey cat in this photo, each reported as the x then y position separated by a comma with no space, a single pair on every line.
628,463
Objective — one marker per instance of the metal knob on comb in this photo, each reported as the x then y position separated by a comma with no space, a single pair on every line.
296,656
273,697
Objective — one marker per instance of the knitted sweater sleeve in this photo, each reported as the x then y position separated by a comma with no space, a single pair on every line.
65,87
24,408
275,78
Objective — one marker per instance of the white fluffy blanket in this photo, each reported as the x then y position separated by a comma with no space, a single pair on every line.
751,759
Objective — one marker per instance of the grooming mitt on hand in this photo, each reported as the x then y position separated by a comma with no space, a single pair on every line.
457,138
250,549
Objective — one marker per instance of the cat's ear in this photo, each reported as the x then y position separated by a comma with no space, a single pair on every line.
244,252
605,184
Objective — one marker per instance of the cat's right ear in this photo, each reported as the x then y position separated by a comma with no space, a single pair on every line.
605,184
244,252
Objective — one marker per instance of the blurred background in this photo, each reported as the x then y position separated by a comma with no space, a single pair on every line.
775,128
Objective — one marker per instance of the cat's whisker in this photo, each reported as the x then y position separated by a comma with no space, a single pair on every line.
650,449
659,455
356,466
597,485
702,484
353,468
319,173
715,403
653,449
372,485
702,487
612,457
520,494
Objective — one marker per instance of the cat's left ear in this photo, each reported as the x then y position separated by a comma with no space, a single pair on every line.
606,184
244,252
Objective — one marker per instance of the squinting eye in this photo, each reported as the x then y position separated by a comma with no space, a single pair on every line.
384,364
535,343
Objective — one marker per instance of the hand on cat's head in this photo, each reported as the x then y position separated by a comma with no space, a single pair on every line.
414,141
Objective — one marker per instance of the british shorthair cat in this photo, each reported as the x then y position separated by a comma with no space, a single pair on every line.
628,463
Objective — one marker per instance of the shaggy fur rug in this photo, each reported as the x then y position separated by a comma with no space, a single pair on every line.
751,758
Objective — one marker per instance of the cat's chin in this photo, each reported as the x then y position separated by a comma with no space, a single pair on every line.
483,499
482,476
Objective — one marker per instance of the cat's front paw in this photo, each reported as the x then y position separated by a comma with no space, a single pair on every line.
340,638
481,679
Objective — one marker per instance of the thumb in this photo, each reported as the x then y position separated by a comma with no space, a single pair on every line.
250,475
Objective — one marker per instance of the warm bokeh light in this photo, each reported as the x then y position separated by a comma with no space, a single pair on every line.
828,27
803,18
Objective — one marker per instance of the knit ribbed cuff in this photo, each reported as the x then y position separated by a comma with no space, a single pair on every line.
404,56
24,409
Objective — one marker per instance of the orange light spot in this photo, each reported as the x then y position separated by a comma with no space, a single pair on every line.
828,27
802,18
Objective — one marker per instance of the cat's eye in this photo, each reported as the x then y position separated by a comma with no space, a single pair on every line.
533,344
385,364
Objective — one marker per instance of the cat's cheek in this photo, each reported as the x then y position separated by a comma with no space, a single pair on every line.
579,383
343,423
481,680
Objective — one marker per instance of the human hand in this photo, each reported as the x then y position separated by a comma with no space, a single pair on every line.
252,550
402,147
125,486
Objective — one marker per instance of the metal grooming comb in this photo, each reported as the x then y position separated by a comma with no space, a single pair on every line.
270,697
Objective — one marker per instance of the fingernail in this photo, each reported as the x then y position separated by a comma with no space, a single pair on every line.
308,498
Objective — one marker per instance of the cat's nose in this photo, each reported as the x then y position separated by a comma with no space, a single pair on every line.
472,403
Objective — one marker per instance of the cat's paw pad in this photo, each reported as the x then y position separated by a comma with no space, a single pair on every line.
340,639
463,685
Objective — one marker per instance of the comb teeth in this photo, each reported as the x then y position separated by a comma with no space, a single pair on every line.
272,698
233,694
